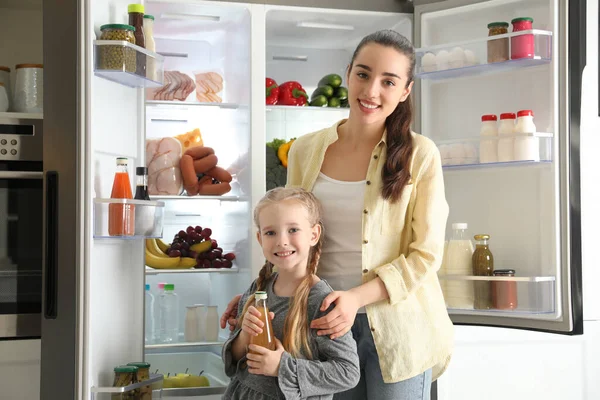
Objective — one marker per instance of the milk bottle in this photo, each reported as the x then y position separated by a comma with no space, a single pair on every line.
458,261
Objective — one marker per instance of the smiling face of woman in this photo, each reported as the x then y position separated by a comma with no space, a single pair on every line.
377,82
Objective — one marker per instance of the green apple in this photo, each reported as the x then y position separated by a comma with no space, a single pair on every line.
197,381
170,382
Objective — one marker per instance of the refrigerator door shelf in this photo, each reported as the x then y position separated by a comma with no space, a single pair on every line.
183,345
115,60
529,296
147,221
469,58
156,380
232,270
200,197
158,104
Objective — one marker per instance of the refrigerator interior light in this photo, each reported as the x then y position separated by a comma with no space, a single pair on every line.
323,25
196,17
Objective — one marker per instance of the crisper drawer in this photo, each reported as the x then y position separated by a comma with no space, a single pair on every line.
177,363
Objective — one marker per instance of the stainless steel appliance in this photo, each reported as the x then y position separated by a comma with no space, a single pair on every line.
21,227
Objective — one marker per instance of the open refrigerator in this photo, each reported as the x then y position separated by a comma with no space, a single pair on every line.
94,285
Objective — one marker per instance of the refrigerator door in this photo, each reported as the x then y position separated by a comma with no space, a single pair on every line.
529,205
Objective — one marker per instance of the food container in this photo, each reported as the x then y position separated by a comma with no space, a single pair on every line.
126,375
3,98
143,374
29,93
497,49
504,293
117,57
5,79
522,46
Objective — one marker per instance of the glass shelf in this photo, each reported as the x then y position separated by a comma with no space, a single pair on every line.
182,345
115,60
496,165
156,381
232,270
515,296
20,115
201,197
305,108
185,104
464,153
134,219
469,58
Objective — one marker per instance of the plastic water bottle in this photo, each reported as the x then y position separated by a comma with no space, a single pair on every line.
169,315
149,332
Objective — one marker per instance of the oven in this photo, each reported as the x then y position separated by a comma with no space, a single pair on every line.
21,227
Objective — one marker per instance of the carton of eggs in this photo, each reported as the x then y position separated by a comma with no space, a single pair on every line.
444,59
458,154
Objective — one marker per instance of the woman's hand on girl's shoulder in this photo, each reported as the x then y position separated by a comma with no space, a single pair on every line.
263,361
338,321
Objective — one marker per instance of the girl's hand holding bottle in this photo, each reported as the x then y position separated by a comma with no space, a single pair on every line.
252,325
262,361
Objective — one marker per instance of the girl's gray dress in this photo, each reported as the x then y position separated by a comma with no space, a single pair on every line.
334,367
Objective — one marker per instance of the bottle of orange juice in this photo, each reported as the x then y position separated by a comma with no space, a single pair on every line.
266,338
121,217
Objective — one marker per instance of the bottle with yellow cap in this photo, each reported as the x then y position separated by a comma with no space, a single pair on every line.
136,19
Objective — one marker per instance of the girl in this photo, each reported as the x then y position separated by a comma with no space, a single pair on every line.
382,191
304,366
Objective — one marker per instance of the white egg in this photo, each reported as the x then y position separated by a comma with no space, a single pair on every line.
471,58
442,59
428,62
457,58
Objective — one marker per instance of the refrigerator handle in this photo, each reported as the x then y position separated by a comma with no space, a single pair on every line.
51,256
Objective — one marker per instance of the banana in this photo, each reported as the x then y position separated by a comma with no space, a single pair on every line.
201,247
153,248
161,262
187,262
162,245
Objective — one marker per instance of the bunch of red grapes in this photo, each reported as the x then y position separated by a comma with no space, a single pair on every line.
212,258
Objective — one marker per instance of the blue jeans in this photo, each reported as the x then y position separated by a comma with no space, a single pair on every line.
371,385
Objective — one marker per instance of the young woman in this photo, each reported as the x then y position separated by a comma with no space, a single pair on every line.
305,366
382,191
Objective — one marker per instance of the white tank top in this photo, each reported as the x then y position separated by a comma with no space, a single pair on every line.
341,256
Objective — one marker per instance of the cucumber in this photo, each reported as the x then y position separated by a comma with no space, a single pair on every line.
334,102
326,91
341,93
319,101
333,80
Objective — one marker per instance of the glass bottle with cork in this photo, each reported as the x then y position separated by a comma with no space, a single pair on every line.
266,338
483,265
121,216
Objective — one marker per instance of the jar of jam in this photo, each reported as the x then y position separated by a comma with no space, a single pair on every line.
504,293
522,46
497,49
483,265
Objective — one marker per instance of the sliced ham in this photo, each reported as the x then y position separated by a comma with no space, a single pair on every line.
162,160
208,84
177,86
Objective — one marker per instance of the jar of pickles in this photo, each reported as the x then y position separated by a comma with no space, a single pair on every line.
117,57
143,374
497,49
126,375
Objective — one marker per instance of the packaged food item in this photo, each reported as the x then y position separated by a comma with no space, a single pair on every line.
126,375
29,88
504,293
527,145
506,131
162,159
211,331
458,261
522,46
488,146
497,49
483,265
136,19
143,374
121,217
266,339
117,57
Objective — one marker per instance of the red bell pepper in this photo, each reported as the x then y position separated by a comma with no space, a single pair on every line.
292,94
272,92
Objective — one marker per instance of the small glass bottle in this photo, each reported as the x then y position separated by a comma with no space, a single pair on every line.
266,338
136,19
488,147
141,183
483,265
121,216
506,137
504,293
150,45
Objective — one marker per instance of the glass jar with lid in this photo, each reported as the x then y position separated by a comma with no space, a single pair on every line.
126,375
117,57
483,265
143,374
497,49
504,292
522,46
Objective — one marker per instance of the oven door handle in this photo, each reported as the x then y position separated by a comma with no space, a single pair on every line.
21,175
